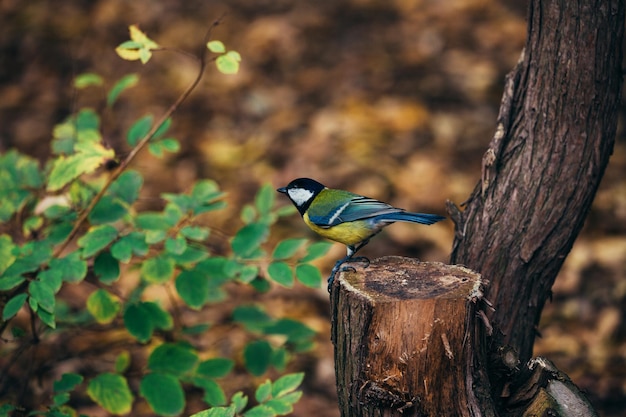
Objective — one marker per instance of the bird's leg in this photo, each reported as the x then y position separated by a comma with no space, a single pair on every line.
362,259
349,257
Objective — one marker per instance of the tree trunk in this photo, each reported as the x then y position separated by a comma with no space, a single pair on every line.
554,135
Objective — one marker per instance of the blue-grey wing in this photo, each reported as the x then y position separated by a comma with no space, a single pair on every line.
356,208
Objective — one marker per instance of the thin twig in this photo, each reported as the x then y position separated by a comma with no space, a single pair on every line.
142,143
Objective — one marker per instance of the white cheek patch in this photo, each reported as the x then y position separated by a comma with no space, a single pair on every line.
299,195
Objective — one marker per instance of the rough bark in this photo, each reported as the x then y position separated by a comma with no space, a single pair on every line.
555,133
407,340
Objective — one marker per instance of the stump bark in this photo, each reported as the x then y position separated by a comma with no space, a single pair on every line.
408,340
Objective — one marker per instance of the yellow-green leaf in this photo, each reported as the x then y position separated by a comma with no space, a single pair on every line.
216,47
88,157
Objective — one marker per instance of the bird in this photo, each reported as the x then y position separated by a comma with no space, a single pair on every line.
346,217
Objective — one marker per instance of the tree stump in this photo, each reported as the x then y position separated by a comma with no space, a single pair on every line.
407,341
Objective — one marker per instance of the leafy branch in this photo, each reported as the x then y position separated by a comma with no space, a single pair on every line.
143,45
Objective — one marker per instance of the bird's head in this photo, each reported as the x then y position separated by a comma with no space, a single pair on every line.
301,192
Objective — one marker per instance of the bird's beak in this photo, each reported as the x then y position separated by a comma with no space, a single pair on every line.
282,190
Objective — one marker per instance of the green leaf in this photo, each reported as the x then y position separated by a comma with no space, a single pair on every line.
71,268
172,358
96,239
281,273
263,391
213,393
122,84
156,149
249,238
170,144
127,186
7,257
13,306
5,411
260,411
103,306
163,128
215,368
87,119
163,393
126,246
45,317
107,210
287,248
280,357
111,392
155,236
253,317
139,130
248,273
58,212
43,294
29,258
309,275
160,318
256,357
184,202
192,255
205,191
248,214
19,170
286,384
52,278
138,322
87,79
60,399
151,221
122,362
292,397
175,245
239,400
64,137
228,63
172,214
157,270
196,328
199,234
87,158
144,55
67,382
217,412
80,195
193,288
216,47
32,224
280,407
106,267
9,282
293,329
316,250
32,303
264,199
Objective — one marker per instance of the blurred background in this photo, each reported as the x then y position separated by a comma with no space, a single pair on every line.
394,99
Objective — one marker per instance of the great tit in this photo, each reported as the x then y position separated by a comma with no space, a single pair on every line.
346,217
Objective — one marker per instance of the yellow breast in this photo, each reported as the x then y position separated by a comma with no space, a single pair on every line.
349,233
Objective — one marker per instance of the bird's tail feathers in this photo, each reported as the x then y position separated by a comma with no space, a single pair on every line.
404,216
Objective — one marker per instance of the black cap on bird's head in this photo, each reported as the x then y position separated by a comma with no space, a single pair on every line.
301,192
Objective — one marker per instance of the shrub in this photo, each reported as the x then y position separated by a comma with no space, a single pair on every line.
75,221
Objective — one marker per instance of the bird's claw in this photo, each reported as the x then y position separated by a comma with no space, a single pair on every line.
339,263
361,259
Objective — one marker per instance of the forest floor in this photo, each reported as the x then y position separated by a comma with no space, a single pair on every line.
396,100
